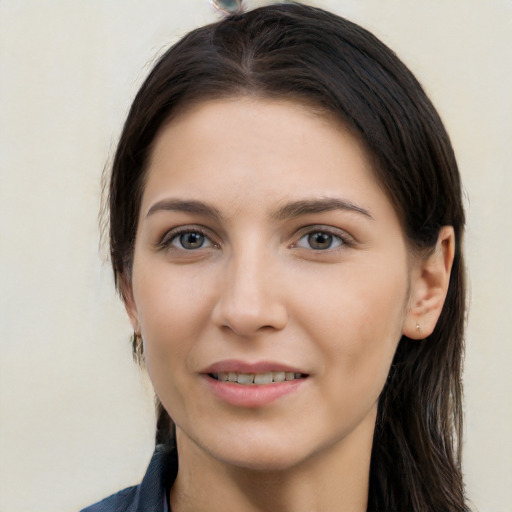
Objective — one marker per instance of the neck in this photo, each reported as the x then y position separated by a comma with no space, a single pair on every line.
333,479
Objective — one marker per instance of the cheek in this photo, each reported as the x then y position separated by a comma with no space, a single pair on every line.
173,309
360,304
359,325
172,312
168,297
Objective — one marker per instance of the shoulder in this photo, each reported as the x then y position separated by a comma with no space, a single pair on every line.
151,493
121,501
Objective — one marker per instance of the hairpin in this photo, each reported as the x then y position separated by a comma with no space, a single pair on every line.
228,6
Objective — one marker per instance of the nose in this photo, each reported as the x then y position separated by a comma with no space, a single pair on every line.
250,297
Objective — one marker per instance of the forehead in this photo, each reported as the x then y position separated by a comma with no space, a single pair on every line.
236,149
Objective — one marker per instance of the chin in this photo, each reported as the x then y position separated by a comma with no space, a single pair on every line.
265,453
265,461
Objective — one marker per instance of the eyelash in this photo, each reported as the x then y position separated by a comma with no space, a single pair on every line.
174,234
338,238
342,239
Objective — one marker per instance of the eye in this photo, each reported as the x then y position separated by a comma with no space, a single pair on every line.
320,241
188,240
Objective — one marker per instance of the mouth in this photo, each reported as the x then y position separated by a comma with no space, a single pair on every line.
258,379
254,384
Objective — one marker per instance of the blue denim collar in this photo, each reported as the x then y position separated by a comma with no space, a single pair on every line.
151,494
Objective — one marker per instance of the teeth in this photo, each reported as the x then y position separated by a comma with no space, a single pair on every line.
263,378
256,378
278,376
245,378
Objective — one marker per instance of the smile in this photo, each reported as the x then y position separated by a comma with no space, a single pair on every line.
256,378
253,384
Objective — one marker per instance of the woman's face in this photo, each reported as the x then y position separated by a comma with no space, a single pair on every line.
266,251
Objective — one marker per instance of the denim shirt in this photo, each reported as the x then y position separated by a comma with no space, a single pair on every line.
151,494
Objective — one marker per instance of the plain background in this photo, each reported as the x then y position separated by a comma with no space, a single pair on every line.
76,418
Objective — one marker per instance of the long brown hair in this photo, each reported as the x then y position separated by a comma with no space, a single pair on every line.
315,57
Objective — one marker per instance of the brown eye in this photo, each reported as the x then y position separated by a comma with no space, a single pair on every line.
320,241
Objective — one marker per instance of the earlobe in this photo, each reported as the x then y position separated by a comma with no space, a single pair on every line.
129,301
430,279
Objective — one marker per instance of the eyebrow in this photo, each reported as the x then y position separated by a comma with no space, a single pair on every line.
311,206
189,206
289,210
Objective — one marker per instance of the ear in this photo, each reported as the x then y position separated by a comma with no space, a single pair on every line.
430,278
129,301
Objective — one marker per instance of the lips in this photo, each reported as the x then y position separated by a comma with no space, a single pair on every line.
252,384
256,378
261,372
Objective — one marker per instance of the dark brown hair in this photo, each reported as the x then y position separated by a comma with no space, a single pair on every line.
317,58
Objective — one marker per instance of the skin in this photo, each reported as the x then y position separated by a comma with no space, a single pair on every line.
258,287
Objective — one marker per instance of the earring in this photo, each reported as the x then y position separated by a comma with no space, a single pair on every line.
138,347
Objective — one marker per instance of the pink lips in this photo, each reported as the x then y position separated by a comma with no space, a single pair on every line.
251,395
233,365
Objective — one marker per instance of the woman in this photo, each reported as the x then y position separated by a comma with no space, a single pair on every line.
285,228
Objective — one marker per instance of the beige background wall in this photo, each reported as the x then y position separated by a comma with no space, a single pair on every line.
76,417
